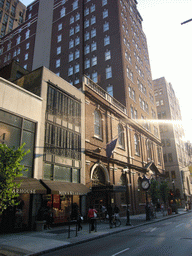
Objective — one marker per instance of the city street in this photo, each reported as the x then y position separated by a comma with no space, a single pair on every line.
169,237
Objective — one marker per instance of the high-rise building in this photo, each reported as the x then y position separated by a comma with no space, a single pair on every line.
102,40
176,157
12,14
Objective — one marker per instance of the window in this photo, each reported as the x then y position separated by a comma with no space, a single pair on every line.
71,44
106,40
92,8
93,46
77,29
27,34
136,142
62,12
57,63
94,77
135,114
70,71
25,66
14,53
105,14
86,36
165,158
86,11
86,24
29,16
97,124
70,56
110,90
18,40
77,40
87,63
121,139
18,51
170,157
149,149
104,2
132,112
77,17
77,54
94,61
71,32
87,49
107,55
76,68
75,5
58,50
59,26
72,20
108,72
159,154
76,81
93,20
59,38
27,45
93,32
173,175
26,56
105,26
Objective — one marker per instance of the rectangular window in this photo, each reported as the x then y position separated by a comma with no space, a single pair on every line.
110,90
94,77
94,61
27,34
70,71
170,157
105,14
92,8
57,63
26,56
93,20
86,24
76,68
71,44
27,45
108,72
106,40
71,32
94,46
70,56
105,26
58,50
59,37
77,54
77,17
108,55
93,33
104,2
77,29
75,5
87,63
77,41
62,12
59,26
86,11
72,20
87,49
86,36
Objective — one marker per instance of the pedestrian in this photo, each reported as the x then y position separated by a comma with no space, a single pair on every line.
110,213
103,211
75,215
91,217
116,211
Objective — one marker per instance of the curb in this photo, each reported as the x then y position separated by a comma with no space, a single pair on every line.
107,234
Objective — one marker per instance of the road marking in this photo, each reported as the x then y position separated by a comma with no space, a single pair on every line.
120,252
179,225
153,229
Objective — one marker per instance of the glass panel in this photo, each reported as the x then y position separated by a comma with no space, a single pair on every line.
28,139
62,173
28,173
10,119
28,125
12,135
75,175
48,172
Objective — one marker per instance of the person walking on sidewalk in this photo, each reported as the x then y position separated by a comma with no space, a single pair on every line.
91,217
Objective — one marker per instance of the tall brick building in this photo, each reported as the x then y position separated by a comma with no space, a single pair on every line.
12,14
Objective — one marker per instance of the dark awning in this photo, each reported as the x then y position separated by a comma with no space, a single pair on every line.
110,188
65,188
29,186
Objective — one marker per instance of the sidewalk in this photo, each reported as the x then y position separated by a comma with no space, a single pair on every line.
36,243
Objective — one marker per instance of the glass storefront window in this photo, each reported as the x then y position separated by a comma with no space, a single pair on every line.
28,125
12,135
75,176
62,173
10,119
48,174
28,139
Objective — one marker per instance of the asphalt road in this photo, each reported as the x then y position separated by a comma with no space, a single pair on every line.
172,237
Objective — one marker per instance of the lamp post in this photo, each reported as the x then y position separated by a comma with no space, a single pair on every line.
126,170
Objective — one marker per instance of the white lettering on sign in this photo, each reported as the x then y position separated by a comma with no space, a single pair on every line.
24,191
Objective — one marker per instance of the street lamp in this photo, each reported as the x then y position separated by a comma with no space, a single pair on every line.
126,171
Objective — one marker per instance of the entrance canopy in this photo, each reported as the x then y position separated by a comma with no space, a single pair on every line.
152,169
29,186
65,188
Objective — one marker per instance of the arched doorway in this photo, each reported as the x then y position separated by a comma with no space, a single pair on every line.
99,195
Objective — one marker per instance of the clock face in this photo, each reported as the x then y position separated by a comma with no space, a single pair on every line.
145,184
